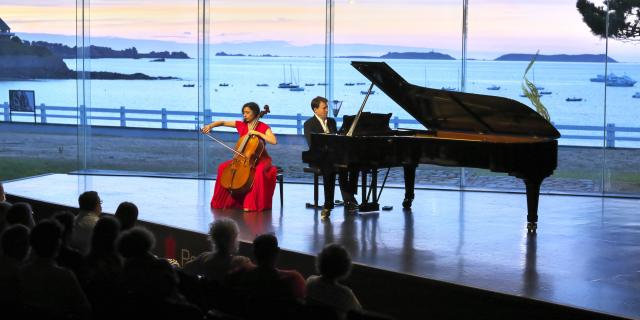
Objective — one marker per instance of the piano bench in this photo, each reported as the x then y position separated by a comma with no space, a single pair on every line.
316,173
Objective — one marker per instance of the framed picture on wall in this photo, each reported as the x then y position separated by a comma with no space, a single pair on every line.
22,101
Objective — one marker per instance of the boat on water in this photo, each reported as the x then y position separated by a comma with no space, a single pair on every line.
493,87
365,92
296,88
262,85
188,85
636,95
349,84
224,84
573,99
614,81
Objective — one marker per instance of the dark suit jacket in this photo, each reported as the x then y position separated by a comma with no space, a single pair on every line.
313,125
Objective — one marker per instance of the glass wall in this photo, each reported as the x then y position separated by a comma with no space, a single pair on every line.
622,113
421,40
147,76
503,39
140,88
271,53
37,86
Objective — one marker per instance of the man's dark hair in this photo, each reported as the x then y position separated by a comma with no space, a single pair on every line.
15,242
253,106
315,103
333,262
88,200
127,214
45,238
135,242
20,213
65,218
265,248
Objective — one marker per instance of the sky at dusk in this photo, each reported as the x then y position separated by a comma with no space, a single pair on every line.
495,26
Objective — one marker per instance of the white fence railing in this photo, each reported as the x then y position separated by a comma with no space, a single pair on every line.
129,117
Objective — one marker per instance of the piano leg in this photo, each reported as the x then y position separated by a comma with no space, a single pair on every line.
365,205
409,185
533,194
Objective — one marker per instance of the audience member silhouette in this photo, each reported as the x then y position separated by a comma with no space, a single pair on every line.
15,248
20,213
265,282
105,269
88,215
334,264
151,283
47,287
4,209
69,257
221,260
127,214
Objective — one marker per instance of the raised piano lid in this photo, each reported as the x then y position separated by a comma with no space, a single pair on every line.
441,110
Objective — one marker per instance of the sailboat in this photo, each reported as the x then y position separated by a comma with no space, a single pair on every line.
296,87
284,84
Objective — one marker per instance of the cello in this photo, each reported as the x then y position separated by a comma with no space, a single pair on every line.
237,177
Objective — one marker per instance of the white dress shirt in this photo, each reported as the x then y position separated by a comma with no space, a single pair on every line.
323,123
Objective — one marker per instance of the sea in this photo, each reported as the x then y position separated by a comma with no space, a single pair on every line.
242,74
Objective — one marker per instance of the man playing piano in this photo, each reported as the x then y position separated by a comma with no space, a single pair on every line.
320,123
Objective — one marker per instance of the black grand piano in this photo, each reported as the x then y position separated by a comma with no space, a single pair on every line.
461,129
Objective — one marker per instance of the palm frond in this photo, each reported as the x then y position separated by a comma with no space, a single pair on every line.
530,91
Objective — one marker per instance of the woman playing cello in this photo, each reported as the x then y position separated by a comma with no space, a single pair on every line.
258,196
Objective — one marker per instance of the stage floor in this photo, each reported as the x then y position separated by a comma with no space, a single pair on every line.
586,252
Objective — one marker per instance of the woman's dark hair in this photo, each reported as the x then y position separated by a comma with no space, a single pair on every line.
334,262
104,235
135,242
127,214
255,108
45,238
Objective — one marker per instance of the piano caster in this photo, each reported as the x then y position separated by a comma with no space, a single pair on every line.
406,203
532,227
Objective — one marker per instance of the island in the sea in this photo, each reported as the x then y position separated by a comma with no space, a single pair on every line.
96,52
432,55
556,57
24,60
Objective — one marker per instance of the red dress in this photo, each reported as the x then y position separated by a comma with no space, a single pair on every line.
259,196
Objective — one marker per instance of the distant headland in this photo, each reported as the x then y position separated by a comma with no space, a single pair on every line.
95,52
24,60
556,57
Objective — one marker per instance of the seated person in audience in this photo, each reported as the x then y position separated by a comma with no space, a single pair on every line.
20,213
69,257
15,248
221,260
88,215
3,195
333,264
4,208
127,214
265,282
47,287
105,269
150,282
